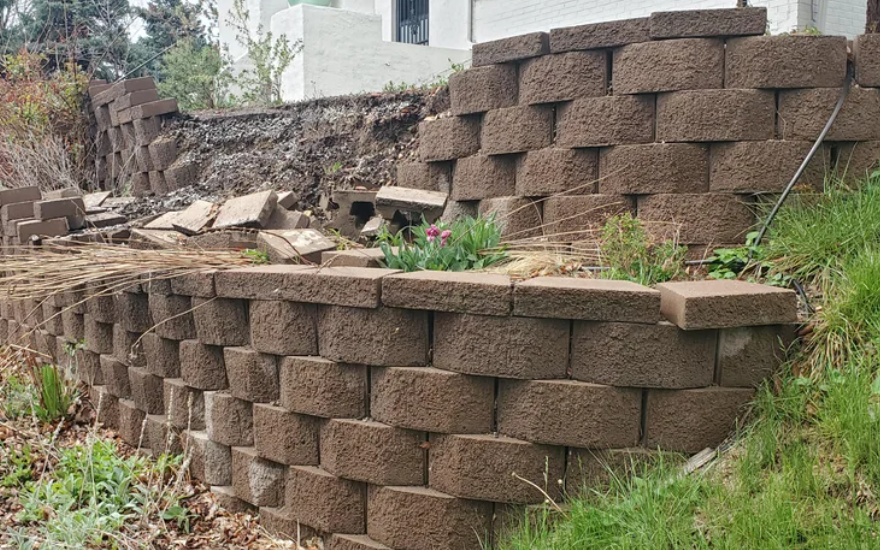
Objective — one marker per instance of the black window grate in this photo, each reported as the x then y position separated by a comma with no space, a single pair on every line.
412,21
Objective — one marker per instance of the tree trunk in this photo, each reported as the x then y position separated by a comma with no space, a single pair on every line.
872,24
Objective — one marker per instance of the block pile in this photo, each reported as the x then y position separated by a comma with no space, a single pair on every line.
683,118
127,120
411,411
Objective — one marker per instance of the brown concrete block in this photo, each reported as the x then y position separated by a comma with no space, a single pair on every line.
120,88
211,462
432,400
516,129
36,228
325,502
803,114
481,89
354,542
221,321
106,405
749,355
180,175
285,437
20,194
482,177
508,347
16,211
675,168
478,293
866,60
184,406
363,450
226,499
554,171
279,523
857,160
74,325
133,311
689,421
145,130
669,65
422,518
162,436
762,166
247,211
698,218
253,376
98,336
316,386
355,257
642,356
131,423
426,176
588,470
449,138
101,306
146,391
563,77
586,299
596,36
256,283
228,421
173,316
481,467
161,355
699,305
611,120
144,160
514,48
194,284
786,62
158,185
569,413
256,480
717,22
163,153
519,217
283,328
716,115
582,217
382,337
202,366
87,363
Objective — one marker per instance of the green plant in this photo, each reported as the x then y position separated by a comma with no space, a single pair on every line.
57,393
17,467
70,348
17,398
628,252
333,168
195,75
256,256
469,243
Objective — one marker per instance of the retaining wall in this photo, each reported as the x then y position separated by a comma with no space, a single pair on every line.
410,411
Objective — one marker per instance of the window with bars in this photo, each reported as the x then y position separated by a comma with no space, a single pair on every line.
412,21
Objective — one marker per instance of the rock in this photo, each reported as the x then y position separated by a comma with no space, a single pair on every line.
373,227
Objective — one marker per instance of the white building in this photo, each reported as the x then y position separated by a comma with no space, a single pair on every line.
354,46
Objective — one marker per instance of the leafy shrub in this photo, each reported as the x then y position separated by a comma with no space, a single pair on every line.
195,75
469,243
628,252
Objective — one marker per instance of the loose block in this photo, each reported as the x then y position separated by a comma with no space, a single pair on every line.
228,421
161,355
98,336
432,400
316,386
325,502
555,171
697,218
718,22
256,480
586,299
803,114
20,194
749,355
689,421
252,376
569,413
478,293
509,347
247,211
131,423
595,36
786,62
449,138
147,391
650,356
510,49
285,437
699,305
675,168
423,518
211,462
184,406
669,65
115,377
284,328
600,121
173,316
518,217
579,218
355,257
133,311
481,89
382,337
202,366
716,115
46,228
483,176
426,176
221,321
516,129
866,60
481,467
372,452
763,166
563,77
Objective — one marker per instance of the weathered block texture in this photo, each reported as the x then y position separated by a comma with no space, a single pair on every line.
373,452
482,89
554,171
325,502
252,376
697,219
284,328
716,115
257,481
511,49
599,121
385,337
587,299
674,168
699,305
563,77
482,177
762,166
517,129
449,138
221,322
581,217
600,35
478,293
749,355
184,406
518,217
229,421
786,62
202,366
669,65
719,22
866,54
803,114
285,437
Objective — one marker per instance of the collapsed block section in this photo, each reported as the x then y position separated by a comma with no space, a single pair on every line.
324,501
316,386
669,65
252,376
372,452
716,115
379,337
202,366
481,89
563,77
786,62
285,437
511,347
600,121
478,293
565,412
220,321
699,305
675,168
228,421
555,171
482,467
517,129
284,328
255,480
587,299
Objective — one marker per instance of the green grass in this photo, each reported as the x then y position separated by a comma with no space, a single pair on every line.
806,473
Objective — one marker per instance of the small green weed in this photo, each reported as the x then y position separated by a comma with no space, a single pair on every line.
17,467
256,256
56,392
17,398
334,168
70,348
626,249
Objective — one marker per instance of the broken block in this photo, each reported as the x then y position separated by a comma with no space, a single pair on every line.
428,204
248,211
194,218
289,245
